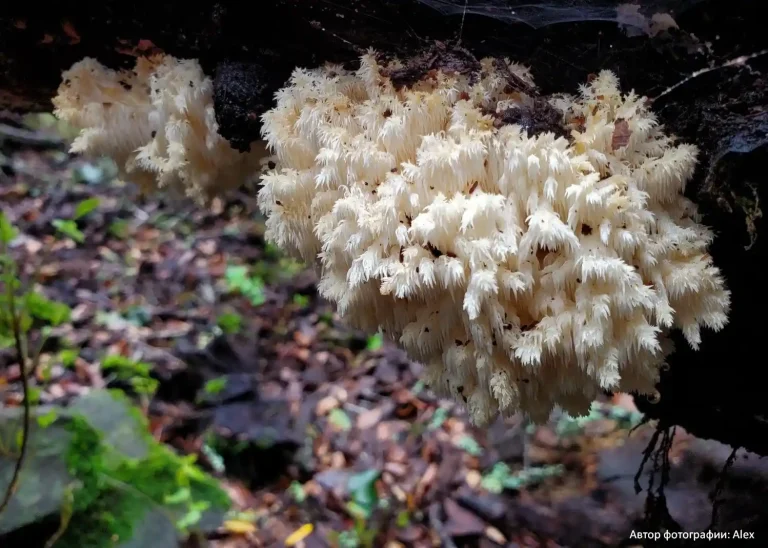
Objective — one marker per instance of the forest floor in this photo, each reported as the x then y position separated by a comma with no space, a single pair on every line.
306,421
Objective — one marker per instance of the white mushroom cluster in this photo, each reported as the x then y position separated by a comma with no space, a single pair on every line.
156,121
526,268
526,271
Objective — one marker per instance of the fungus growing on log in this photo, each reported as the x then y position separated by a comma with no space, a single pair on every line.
442,209
563,262
156,121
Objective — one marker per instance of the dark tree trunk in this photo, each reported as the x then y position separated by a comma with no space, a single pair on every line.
716,392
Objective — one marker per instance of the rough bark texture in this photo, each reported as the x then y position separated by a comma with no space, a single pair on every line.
716,392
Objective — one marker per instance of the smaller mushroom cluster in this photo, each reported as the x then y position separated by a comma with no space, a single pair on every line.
157,122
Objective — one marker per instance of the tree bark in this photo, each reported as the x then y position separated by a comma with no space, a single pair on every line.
715,392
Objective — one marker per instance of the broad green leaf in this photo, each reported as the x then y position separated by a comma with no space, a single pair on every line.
362,488
69,228
85,207
215,386
42,308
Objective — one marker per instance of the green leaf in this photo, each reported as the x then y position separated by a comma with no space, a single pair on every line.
403,519
47,419
124,364
296,491
42,308
215,386
8,232
119,228
69,228
338,418
362,488
495,479
375,342
85,207
357,511
189,519
236,275
470,445
145,385
238,279
46,371
500,477
34,395
438,418
182,495
68,357
300,300
271,250
255,291
135,372
230,323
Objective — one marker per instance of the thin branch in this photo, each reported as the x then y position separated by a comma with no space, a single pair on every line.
646,455
11,489
66,516
736,62
461,28
716,500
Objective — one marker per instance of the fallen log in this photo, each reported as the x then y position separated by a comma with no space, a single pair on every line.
714,392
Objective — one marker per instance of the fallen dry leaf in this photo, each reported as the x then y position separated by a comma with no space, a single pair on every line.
495,535
426,481
473,478
325,405
460,522
621,134
239,527
368,419
299,534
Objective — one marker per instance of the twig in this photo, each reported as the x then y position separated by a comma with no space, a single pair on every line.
461,28
716,501
646,455
736,62
11,489
66,516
